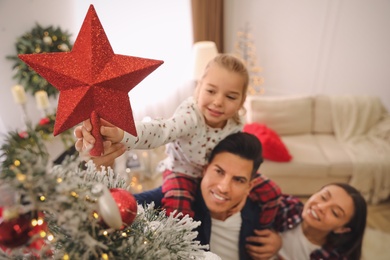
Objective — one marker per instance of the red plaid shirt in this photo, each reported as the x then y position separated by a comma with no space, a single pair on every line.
267,194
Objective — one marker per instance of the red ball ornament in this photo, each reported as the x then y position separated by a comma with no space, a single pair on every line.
126,203
15,232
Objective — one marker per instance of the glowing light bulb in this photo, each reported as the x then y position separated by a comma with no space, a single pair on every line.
16,163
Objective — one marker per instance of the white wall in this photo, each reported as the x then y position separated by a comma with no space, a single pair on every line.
149,29
16,18
310,47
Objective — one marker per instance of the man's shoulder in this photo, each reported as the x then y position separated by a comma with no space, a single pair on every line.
147,197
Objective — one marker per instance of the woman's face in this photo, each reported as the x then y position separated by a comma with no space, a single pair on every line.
329,209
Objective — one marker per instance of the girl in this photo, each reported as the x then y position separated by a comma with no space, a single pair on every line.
197,125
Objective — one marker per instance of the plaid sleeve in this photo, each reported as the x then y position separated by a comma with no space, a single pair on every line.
179,192
289,213
267,194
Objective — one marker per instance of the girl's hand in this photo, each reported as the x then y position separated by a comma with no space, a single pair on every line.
110,132
85,140
265,244
111,152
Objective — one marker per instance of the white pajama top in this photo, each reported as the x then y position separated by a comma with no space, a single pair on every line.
189,140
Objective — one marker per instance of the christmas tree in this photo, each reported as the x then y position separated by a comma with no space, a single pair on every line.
246,50
67,212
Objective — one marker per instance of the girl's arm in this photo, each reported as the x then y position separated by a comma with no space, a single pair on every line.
183,124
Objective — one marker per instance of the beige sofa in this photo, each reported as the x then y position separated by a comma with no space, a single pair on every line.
321,134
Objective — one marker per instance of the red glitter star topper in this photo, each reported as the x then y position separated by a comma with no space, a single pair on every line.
93,81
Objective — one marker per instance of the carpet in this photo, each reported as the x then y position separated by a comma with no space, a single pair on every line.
376,245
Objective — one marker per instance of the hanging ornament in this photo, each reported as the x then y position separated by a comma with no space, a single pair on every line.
127,204
47,40
14,232
108,208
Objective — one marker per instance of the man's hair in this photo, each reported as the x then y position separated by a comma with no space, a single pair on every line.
242,144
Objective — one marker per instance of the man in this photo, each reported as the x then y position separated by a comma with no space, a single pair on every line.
229,219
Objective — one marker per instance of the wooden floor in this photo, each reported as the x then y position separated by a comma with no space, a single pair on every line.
379,216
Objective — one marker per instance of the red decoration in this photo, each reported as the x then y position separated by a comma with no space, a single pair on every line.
127,204
15,232
92,79
44,121
23,134
39,242
273,147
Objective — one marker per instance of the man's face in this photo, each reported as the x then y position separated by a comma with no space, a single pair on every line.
226,183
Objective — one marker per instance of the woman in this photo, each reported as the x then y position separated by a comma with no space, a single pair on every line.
330,225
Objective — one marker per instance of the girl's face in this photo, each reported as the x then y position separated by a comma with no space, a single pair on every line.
220,95
329,210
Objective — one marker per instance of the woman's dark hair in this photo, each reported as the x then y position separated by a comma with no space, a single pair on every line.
242,144
350,243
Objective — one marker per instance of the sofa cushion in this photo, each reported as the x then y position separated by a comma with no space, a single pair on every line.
338,158
322,115
273,147
285,115
308,160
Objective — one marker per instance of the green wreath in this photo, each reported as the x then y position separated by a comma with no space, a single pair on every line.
38,40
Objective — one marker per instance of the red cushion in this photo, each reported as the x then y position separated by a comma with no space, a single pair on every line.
273,147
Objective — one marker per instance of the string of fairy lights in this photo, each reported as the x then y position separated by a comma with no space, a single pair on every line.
245,49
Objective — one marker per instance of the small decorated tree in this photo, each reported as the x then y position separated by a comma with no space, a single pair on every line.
246,50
